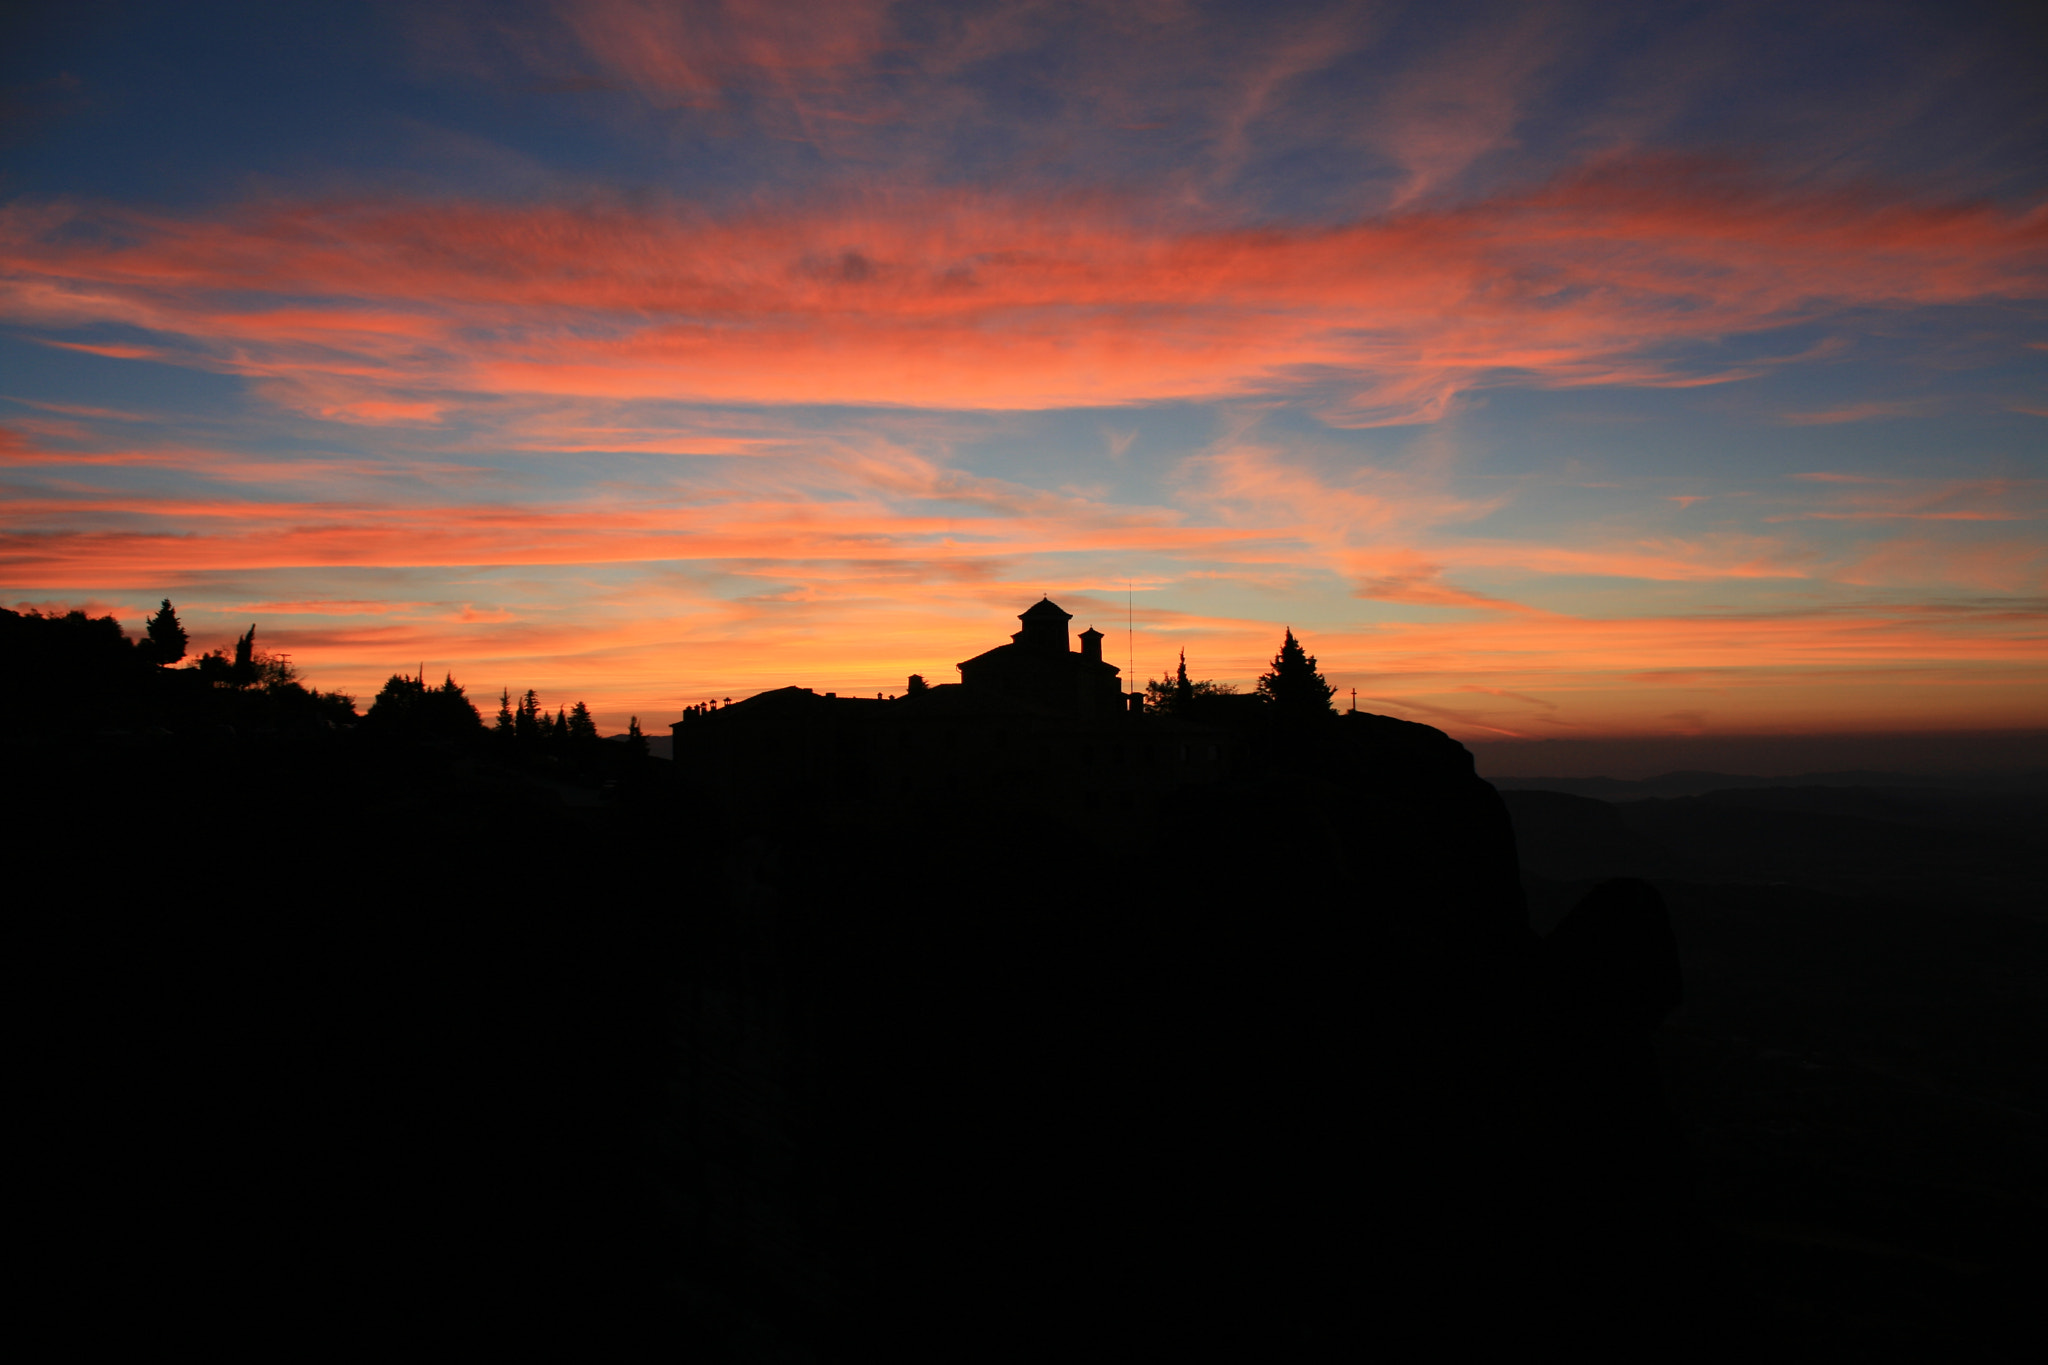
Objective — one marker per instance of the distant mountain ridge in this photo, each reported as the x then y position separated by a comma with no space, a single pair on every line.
1859,834
1699,783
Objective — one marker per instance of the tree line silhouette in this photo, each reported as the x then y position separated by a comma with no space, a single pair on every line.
320,978
73,674
1291,689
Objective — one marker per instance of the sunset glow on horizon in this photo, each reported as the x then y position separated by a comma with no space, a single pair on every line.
1552,372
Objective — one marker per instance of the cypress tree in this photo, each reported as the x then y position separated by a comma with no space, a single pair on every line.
245,658
167,639
1177,694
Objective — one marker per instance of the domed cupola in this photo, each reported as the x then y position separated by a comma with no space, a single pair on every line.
1045,628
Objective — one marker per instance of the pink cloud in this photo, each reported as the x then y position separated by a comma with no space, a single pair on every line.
60,539
1857,412
1407,577
2008,566
116,352
691,50
333,607
1439,117
1861,498
965,301
1728,555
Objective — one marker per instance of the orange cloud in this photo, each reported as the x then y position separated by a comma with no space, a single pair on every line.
60,540
957,300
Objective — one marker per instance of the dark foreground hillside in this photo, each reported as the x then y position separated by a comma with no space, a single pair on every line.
327,1035
1857,1061
334,1031
341,1026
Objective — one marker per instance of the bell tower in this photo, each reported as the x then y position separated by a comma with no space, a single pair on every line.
1045,628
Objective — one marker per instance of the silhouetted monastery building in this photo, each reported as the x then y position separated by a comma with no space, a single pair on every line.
1037,666
1033,722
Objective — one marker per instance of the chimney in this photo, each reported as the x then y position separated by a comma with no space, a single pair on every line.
1091,645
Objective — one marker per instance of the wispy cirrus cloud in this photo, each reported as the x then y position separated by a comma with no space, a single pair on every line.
1873,410
1874,498
392,312
1269,314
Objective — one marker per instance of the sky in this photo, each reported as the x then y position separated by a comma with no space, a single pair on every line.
1555,371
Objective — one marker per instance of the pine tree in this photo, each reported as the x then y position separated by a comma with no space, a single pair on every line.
1294,688
582,729
452,711
636,743
503,727
167,639
526,722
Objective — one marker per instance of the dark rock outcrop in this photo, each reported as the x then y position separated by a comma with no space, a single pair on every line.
1245,1073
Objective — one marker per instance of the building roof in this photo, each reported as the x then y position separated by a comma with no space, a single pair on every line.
1043,608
